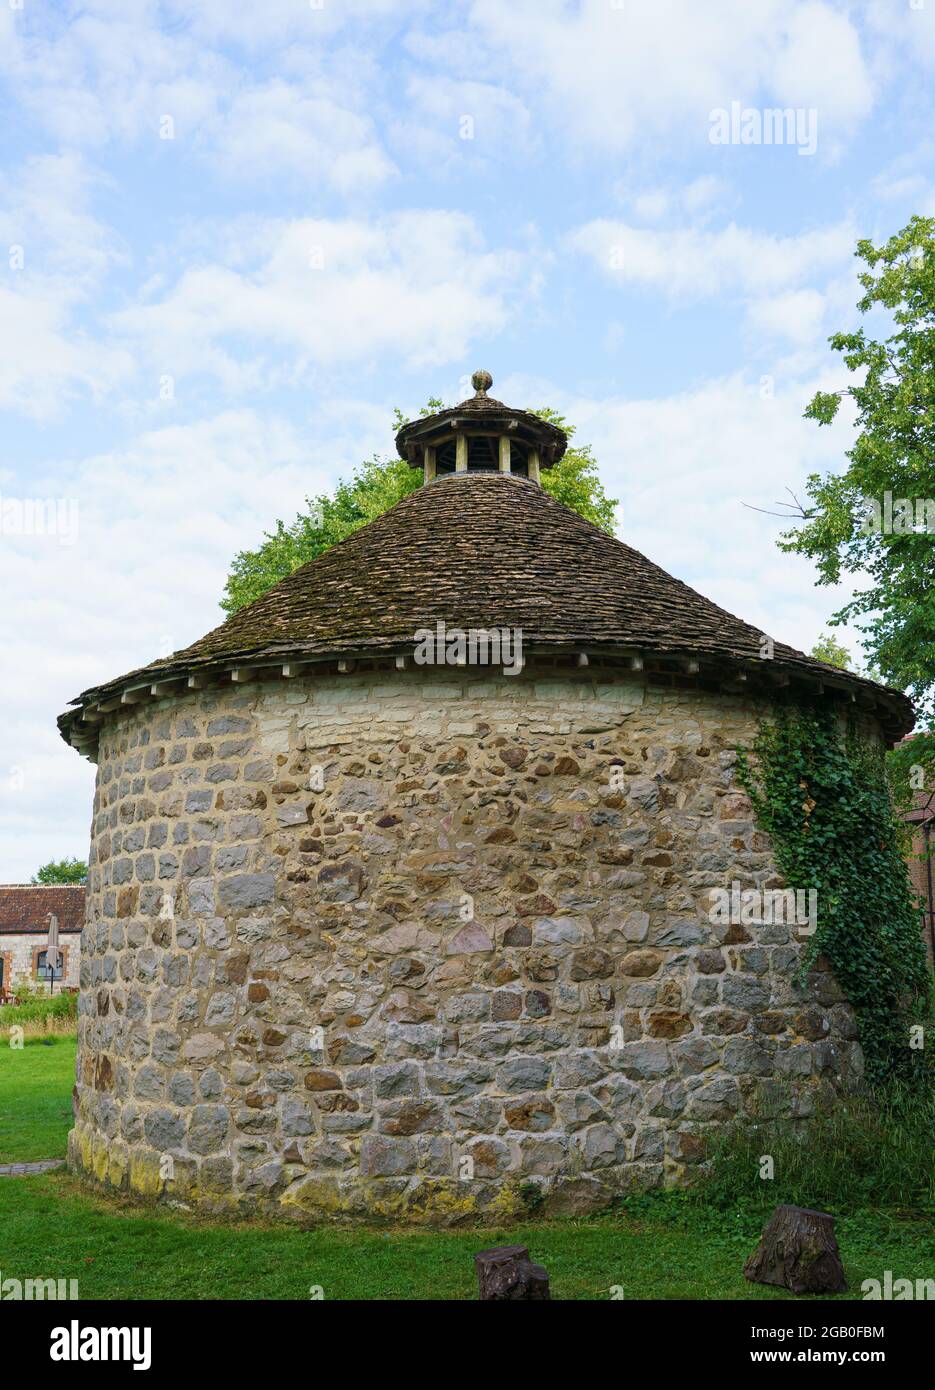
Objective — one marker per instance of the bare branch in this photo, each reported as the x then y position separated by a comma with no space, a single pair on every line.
797,511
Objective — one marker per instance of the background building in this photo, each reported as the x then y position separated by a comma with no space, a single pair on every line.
24,931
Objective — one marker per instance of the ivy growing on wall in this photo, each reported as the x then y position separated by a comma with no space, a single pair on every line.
821,794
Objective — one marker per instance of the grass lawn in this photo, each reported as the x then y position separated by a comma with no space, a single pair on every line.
35,1099
51,1228
656,1247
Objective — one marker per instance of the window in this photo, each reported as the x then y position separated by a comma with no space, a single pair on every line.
483,454
43,971
445,458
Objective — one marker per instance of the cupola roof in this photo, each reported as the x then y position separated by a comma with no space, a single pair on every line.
481,422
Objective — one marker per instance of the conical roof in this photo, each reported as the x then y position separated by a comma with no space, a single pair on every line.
482,550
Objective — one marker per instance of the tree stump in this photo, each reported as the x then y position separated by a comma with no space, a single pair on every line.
798,1251
506,1274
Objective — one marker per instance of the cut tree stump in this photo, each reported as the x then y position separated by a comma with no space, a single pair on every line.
798,1251
506,1274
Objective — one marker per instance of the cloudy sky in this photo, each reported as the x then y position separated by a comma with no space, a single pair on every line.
234,237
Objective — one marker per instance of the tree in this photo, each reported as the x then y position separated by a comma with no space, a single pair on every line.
62,871
574,480
375,487
827,648
877,518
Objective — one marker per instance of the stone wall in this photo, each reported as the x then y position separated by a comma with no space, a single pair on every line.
408,945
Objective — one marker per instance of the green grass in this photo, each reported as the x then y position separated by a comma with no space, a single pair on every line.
666,1246
664,1250
36,1006
35,1099
869,1151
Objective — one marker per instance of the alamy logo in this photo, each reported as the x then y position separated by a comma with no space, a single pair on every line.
897,518
77,1343
749,125
38,516
897,1290
455,646
37,1290
755,907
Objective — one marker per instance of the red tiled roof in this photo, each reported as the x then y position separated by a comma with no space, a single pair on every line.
25,907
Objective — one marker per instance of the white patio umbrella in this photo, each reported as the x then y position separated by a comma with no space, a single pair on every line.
51,950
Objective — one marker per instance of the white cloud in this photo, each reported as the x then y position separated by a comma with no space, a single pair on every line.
614,77
421,285
692,264
906,182
907,30
818,63
797,315
158,524
55,255
110,71
444,122
704,193
52,361
653,204
44,207
259,27
117,71
699,199
278,129
9,37
684,465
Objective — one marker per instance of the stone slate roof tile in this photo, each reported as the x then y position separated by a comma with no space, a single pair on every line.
481,550
484,409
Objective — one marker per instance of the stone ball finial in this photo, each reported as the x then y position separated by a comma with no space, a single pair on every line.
482,382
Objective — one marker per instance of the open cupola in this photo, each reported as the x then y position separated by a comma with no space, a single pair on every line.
481,435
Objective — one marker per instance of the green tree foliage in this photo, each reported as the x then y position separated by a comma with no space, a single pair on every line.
62,871
574,480
823,799
375,487
893,397
827,648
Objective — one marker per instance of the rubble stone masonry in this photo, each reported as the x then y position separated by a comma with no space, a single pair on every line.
377,946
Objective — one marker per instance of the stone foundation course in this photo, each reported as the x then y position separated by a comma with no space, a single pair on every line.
431,946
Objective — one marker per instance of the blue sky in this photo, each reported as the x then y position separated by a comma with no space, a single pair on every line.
363,200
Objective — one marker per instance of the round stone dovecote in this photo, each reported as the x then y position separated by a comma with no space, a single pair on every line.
374,937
